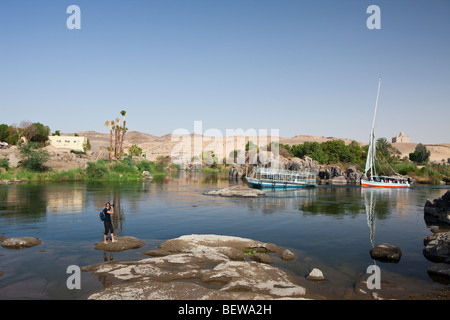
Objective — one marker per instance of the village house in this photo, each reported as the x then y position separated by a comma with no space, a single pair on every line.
68,142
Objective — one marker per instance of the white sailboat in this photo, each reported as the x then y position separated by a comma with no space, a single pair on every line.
371,179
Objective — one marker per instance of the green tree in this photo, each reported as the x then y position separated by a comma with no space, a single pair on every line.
335,150
355,151
3,132
41,133
311,149
386,152
124,130
420,155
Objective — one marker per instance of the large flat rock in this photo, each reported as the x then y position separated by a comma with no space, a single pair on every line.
20,242
198,267
236,191
121,244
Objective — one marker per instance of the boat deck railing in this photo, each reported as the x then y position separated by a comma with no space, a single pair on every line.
283,175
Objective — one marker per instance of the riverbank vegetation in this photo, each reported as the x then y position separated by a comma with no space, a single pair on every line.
389,161
100,170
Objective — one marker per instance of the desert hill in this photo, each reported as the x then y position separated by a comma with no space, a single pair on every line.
154,146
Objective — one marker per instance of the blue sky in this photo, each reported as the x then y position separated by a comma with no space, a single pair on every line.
303,67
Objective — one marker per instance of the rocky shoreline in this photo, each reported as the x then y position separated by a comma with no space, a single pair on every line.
437,246
326,174
217,267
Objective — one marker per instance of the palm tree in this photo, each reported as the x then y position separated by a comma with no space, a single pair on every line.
387,155
113,125
382,147
124,129
108,123
387,150
116,144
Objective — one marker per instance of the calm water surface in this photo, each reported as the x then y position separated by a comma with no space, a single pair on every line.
327,227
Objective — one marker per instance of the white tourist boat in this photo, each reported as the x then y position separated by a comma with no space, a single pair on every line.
371,179
261,177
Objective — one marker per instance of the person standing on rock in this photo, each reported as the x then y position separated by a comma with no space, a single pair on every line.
109,211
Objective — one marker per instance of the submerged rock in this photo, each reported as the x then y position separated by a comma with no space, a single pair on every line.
287,255
209,262
440,269
19,243
236,191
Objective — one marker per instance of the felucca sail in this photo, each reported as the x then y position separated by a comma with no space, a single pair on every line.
370,177
370,162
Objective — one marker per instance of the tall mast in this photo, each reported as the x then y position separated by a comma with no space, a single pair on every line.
371,152
376,104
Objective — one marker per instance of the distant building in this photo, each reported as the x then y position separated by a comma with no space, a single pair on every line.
401,138
68,142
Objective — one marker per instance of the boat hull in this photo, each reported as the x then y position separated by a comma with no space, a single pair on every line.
376,184
260,183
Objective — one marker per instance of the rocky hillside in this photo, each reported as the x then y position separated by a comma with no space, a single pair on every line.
155,146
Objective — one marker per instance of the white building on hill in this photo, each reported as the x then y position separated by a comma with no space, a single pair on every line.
401,138
68,142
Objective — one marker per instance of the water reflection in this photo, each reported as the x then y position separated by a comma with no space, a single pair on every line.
105,256
69,199
277,200
369,202
333,201
30,202
183,178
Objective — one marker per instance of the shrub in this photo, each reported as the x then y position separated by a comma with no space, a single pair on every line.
77,152
150,166
4,163
96,170
144,165
405,168
121,167
33,159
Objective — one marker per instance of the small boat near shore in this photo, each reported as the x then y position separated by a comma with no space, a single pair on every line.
371,179
261,177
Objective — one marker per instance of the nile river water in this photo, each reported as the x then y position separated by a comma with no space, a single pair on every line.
327,227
